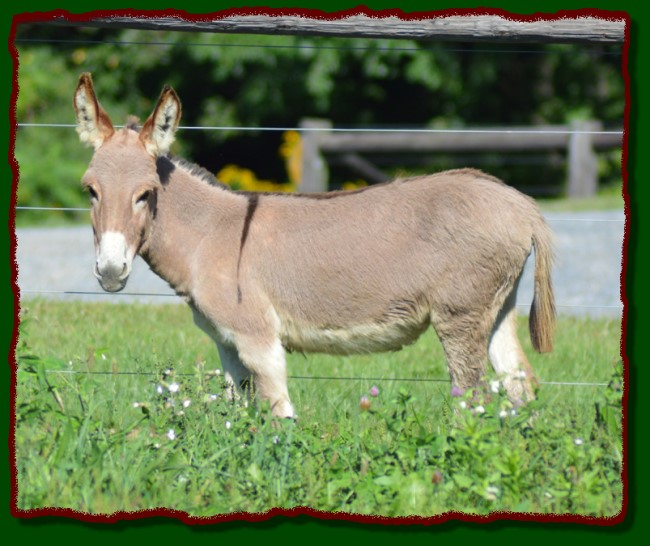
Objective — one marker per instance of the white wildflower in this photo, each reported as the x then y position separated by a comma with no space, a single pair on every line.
494,387
187,403
228,425
492,492
160,389
479,409
171,434
578,441
503,414
462,404
174,387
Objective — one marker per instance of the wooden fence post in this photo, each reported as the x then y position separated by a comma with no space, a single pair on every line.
582,172
314,172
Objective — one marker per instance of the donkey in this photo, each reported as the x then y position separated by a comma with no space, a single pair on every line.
339,272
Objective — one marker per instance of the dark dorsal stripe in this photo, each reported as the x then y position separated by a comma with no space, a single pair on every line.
253,202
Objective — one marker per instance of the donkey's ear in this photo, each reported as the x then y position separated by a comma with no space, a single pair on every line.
158,131
93,124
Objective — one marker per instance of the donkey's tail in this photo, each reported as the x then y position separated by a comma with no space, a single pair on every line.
542,311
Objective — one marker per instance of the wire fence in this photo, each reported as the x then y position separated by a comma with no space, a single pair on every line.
324,378
413,130
304,377
598,51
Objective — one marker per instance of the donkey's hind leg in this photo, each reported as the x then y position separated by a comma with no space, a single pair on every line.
507,357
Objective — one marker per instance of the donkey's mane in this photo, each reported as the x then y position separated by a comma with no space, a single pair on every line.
203,174
199,172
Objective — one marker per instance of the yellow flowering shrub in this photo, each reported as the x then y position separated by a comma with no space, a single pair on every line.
240,178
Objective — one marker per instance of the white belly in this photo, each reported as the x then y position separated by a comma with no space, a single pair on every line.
365,338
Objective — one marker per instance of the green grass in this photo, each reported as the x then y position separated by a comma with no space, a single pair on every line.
609,198
100,442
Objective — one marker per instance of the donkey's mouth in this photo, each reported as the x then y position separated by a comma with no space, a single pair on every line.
112,285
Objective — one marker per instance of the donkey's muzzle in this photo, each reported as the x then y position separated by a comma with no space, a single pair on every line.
112,279
113,264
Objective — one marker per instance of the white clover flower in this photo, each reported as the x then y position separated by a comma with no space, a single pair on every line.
492,492
171,434
136,404
187,403
462,404
479,409
228,425
213,397
174,387
503,414
513,412
578,441
160,389
494,386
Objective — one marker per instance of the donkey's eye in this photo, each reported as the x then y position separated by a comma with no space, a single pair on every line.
143,197
92,193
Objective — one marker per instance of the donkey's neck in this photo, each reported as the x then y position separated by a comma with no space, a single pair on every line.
188,210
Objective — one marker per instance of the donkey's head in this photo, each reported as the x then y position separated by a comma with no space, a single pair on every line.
122,179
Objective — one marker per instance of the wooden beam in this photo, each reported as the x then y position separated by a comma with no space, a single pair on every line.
502,139
466,28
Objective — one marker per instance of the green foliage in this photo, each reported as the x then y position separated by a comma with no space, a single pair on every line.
233,80
167,437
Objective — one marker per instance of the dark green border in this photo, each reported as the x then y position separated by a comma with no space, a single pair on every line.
304,528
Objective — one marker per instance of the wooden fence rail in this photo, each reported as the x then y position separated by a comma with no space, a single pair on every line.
580,140
574,27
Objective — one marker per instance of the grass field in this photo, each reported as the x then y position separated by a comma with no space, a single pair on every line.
144,425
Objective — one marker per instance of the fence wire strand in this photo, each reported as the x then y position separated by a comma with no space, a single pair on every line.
315,47
325,378
413,130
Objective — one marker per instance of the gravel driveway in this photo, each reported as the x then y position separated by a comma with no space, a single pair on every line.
57,263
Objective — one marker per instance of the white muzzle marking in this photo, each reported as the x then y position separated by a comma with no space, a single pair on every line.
114,260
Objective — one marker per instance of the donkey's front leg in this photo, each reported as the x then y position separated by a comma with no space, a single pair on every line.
237,376
266,361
